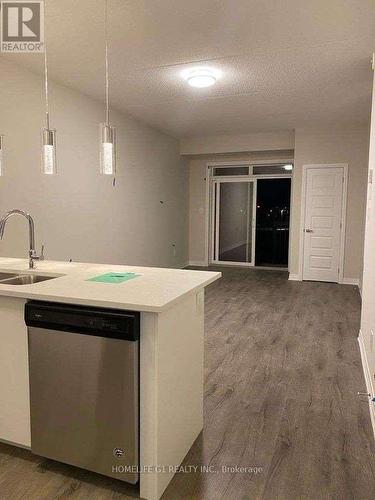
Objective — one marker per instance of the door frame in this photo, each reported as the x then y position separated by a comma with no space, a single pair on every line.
305,169
215,222
209,180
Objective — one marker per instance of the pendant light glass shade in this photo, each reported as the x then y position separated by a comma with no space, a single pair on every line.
49,165
107,149
1,155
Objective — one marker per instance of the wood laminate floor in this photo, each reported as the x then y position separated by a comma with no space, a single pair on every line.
282,371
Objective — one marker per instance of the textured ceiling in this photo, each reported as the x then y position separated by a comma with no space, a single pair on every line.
284,63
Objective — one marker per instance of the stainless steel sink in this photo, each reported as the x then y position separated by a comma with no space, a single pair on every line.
29,279
5,276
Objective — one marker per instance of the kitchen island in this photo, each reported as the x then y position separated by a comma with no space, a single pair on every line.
171,303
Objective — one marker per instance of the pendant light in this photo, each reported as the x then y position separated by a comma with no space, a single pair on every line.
107,132
49,166
1,155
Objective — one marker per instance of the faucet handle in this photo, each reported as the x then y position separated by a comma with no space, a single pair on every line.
41,256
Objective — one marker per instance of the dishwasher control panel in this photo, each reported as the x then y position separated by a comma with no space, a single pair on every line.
109,323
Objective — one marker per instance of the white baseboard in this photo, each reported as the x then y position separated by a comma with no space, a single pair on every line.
350,281
11,443
294,277
182,266
345,281
198,263
368,378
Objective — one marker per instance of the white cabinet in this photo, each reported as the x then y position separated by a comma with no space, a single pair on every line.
14,373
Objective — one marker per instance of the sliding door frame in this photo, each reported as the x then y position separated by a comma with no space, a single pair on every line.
210,203
215,224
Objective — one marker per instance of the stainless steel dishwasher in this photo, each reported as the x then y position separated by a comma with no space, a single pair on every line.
84,387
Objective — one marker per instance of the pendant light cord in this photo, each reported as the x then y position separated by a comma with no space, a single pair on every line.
106,64
107,74
46,67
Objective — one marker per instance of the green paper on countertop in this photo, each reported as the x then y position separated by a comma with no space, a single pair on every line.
114,277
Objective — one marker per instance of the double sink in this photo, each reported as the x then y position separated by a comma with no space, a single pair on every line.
23,279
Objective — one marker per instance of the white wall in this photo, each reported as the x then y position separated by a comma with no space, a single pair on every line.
368,285
262,141
334,146
78,213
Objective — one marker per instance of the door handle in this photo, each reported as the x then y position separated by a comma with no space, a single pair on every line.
309,231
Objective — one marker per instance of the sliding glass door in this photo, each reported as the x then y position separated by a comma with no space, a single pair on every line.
272,228
233,224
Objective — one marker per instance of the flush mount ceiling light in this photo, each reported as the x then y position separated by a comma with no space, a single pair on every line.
48,135
201,77
288,167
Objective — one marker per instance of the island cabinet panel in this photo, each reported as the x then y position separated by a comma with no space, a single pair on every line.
171,386
14,373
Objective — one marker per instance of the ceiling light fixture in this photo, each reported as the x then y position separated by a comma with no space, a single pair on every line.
49,166
201,77
288,167
107,133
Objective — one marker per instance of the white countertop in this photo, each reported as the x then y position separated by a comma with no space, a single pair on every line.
154,291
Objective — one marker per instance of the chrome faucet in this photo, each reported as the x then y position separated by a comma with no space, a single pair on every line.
33,256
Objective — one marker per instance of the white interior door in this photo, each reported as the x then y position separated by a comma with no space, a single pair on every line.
323,223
